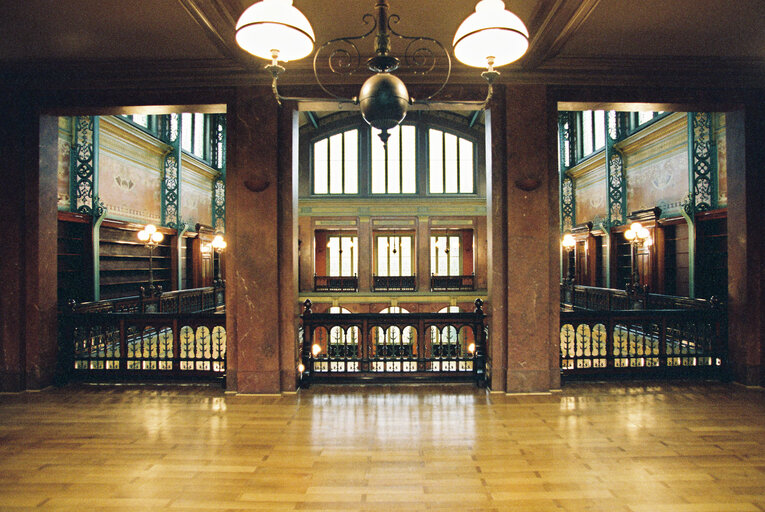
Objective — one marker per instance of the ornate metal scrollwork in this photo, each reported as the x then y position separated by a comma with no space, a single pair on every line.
567,203
344,56
616,186
84,166
703,162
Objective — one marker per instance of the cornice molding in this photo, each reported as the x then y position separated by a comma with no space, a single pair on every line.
555,27
218,73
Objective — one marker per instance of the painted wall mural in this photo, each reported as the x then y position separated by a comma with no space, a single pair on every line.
196,204
591,201
658,181
128,191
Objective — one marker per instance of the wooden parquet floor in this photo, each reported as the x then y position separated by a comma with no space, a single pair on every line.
592,447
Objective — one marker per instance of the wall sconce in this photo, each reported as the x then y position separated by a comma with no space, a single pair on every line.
275,30
151,239
218,245
638,237
568,243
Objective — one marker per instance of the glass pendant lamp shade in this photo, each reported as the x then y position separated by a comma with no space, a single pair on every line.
490,33
275,29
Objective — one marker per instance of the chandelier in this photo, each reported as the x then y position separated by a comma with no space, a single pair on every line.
277,31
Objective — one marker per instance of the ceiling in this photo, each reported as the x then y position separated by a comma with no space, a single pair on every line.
572,41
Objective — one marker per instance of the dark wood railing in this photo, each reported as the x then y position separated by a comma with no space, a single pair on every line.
177,335
394,283
335,283
647,343
452,283
181,301
610,299
407,346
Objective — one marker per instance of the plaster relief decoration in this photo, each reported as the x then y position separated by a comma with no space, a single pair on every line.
130,192
658,181
62,172
196,203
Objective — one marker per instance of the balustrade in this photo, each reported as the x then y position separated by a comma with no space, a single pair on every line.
412,346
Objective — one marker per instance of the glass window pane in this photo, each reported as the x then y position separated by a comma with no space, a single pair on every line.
466,166
351,185
382,256
436,160
141,119
320,169
644,117
394,164
199,135
450,164
406,256
600,129
408,159
186,132
586,132
454,256
336,164
378,164
394,256
333,255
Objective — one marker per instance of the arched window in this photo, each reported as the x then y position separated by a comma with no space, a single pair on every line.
394,168
451,163
335,164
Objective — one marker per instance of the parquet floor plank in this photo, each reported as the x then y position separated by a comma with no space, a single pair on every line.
684,447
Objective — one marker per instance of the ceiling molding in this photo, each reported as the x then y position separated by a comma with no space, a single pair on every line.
553,28
211,73
217,20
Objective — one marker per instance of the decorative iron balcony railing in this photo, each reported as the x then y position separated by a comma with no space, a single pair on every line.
335,283
394,283
452,283
409,346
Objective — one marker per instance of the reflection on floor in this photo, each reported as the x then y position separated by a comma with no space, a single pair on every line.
595,447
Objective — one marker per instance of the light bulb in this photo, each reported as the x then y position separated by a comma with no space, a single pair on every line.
630,235
144,236
316,349
157,237
150,228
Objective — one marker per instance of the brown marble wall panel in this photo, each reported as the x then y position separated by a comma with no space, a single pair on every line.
12,211
746,294
532,234
40,253
252,215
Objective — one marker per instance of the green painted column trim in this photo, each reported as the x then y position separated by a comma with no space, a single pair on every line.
616,184
606,253
182,229
218,136
99,214
688,215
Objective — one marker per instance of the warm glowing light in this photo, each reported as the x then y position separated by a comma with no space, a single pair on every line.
316,349
150,228
471,348
206,248
157,237
218,243
301,367
491,36
275,29
568,241
630,235
144,236
635,226
643,233
648,242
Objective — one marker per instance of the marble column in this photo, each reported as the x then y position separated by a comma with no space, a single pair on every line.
254,196
532,240
746,231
